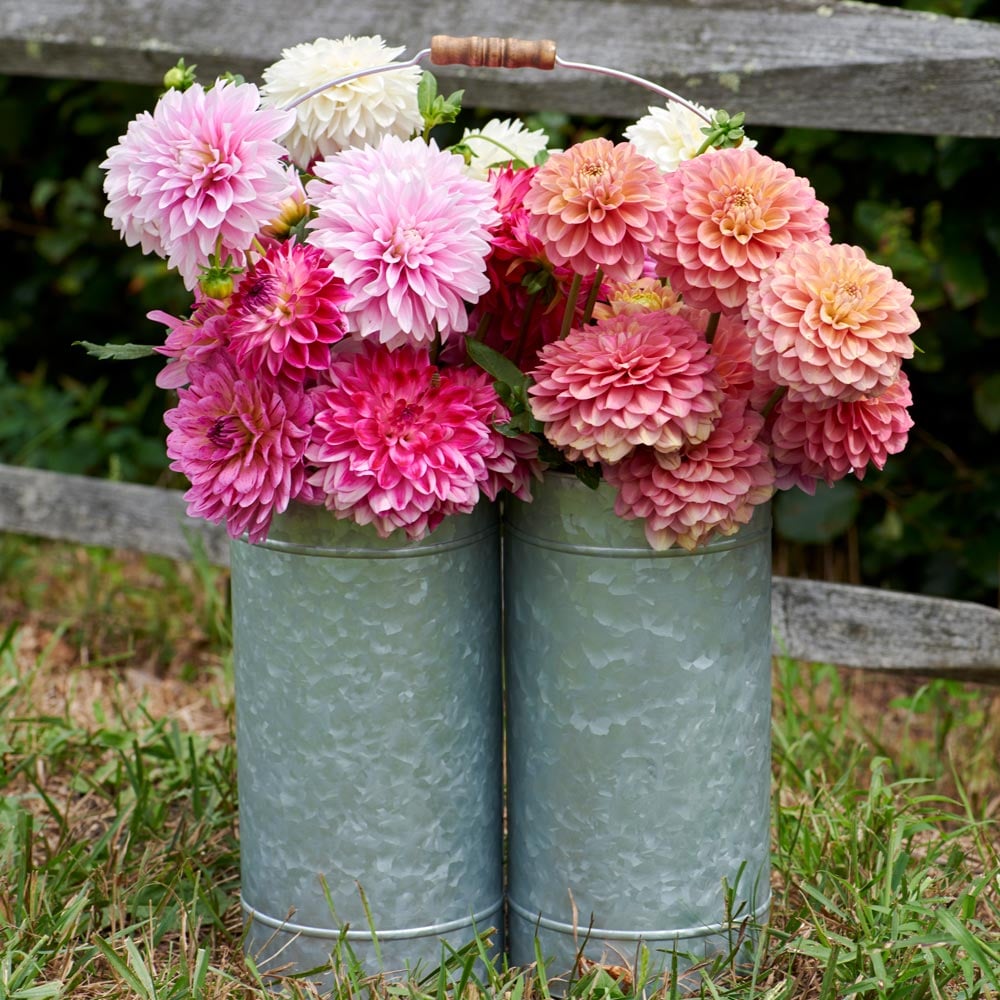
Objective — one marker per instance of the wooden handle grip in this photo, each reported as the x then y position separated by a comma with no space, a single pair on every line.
506,53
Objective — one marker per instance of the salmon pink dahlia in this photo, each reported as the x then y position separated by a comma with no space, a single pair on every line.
831,324
730,213
597,205
633,379
395,444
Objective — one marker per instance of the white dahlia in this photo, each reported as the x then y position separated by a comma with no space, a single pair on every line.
360,112
497,143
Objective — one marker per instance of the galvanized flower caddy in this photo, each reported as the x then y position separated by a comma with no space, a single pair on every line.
638,701
369,740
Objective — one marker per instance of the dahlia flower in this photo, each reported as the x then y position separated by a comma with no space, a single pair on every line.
640,295
357,113
408,233
712,487
634,379
831,324
672,134
203,172
285,315
827,442
597,205
498,143
395,444
730,213
240,442
193,339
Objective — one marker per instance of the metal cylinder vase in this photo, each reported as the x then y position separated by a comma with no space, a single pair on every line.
368,740
638,687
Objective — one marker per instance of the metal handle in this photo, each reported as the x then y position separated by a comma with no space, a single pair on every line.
505,53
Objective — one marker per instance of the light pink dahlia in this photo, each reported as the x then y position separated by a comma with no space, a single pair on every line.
647,294
408,232
597,204
204,167
814,442
191,340
633,379
730,213
285,313
710,488
240,441
395,444
831,324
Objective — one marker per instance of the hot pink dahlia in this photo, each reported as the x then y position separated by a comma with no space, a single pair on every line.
205,166
240,441
633,379
814,442
408,232
395,444
730,213
285,313
831,324
597,205
193,339
709,488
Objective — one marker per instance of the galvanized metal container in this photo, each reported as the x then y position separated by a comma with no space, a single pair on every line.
638,700
368,739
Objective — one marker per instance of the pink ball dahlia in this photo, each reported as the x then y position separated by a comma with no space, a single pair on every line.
408,232
831,324
190,340
813,442
709,488
597,205
205,166
285,313
730,213
395,444
633,379
240,441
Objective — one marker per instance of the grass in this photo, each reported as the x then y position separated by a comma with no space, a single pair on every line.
119,842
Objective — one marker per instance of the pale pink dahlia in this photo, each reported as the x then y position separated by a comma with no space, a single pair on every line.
638,296
709,488
408,232
240,441
395,444
285,313
634,379
831,324
597,205
730,213
205,167
814,442
193,339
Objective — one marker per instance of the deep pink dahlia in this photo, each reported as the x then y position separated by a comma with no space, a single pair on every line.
597,205
708,488
730,213
395,444
240,441
285,313
408,232
814,442
831,324
633,379
204,167
194,339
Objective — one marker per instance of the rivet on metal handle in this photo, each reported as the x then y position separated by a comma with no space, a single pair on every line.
501,53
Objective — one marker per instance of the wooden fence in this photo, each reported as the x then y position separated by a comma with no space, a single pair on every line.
835,64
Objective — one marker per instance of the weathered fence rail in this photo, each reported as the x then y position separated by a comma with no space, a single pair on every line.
834,64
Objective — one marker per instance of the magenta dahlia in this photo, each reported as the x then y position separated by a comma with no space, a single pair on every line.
634,379
202,173
730,213
597,205
285,313
193,339
709,488
831,324
408,232
240,442
394,443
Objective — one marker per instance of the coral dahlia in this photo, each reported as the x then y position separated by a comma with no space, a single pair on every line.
831,324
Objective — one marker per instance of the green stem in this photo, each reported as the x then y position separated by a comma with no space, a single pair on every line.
773,401
595,290
570,307
713,325
514,158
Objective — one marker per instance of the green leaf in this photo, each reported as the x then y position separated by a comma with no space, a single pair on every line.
817,519
589,475
501,368
986,402
115,352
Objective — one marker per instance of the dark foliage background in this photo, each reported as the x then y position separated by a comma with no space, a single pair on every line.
928,207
